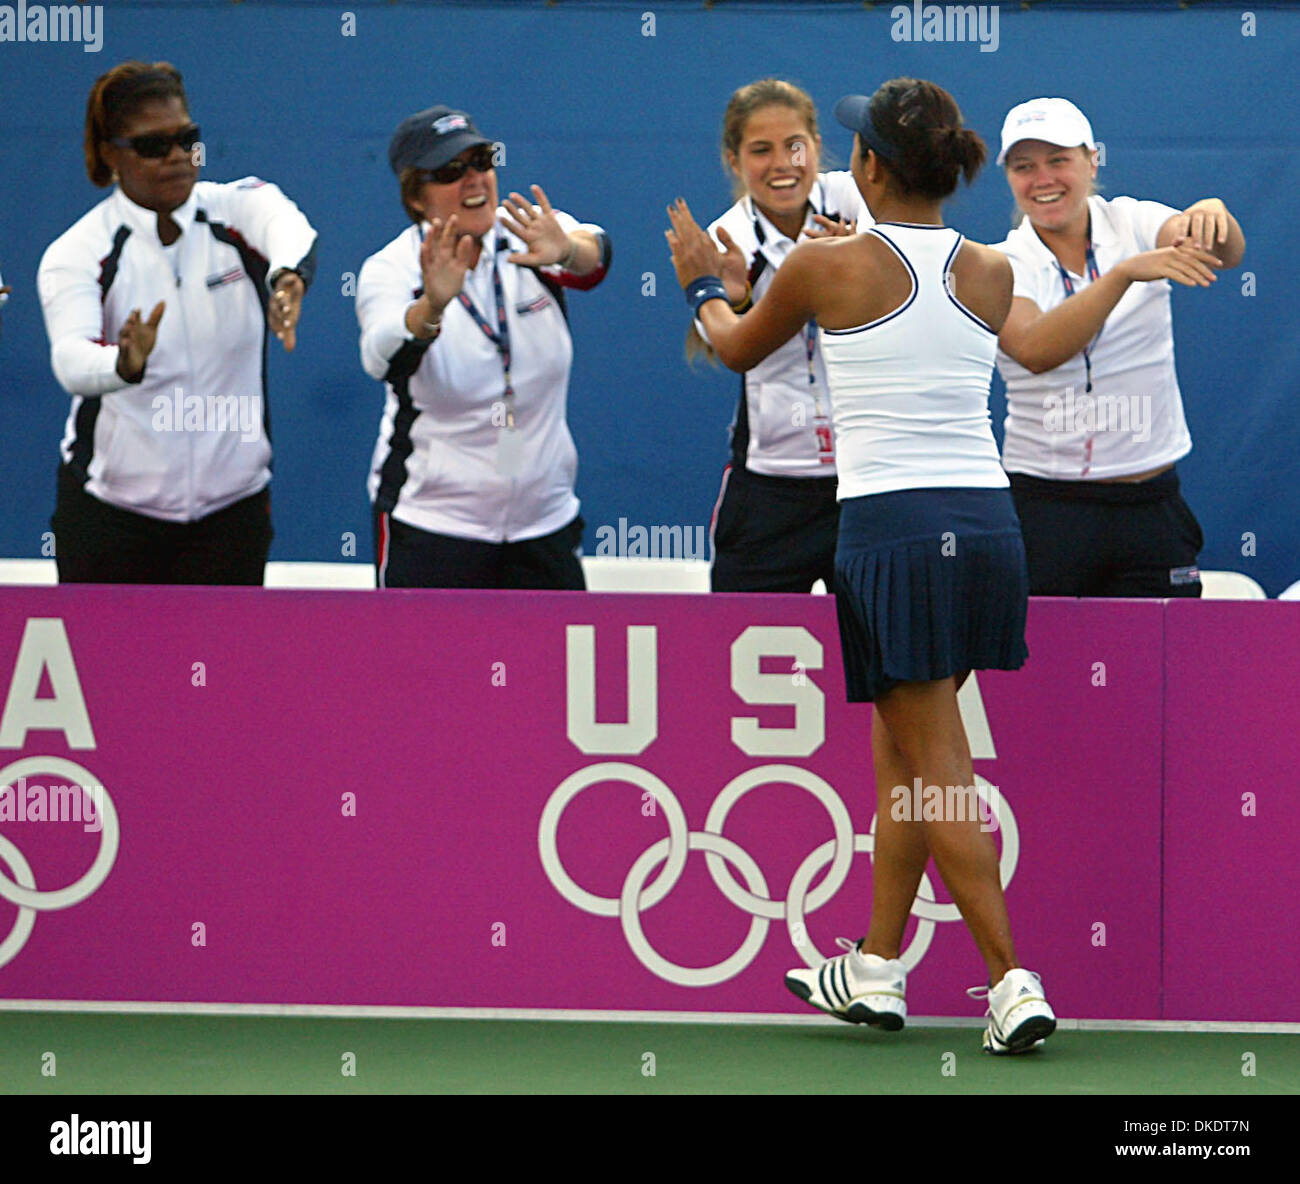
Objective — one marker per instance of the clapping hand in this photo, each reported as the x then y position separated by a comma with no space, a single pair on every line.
830,227
734,269
1203,224
136,341
444,259
286,307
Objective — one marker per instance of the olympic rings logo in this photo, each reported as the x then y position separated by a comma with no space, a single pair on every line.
21,890
637,895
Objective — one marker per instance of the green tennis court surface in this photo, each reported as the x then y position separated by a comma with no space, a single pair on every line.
95,1053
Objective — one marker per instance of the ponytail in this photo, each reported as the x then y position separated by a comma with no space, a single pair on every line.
933,148
115,98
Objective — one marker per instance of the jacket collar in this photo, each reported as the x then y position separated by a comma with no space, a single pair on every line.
145,222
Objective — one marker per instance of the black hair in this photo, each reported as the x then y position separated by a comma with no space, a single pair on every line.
116,97
932,148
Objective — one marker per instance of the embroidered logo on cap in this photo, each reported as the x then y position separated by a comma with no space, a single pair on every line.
450,123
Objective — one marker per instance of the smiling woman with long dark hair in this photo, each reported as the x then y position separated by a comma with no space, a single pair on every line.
157,304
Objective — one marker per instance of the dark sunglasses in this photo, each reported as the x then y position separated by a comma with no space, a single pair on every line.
481,161
156,145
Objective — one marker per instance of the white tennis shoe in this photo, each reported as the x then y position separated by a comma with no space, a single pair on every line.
855,987
1020,1017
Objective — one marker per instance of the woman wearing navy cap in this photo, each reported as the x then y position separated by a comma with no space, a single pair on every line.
463,318
930,570
1094,412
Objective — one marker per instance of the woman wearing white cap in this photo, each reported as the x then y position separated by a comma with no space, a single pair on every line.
930,569
774,526
1094,415
463,318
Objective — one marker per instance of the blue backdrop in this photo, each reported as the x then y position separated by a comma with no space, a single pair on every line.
613,123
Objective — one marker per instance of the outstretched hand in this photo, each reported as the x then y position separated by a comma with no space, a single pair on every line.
694,252
1183,263
537,225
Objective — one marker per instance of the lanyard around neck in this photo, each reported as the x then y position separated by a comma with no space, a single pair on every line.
809,332
1068,283
501,336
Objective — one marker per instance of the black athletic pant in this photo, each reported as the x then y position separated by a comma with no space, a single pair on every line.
95,543
774,534
407,557
1090,538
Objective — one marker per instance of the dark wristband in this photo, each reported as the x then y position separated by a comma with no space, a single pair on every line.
706,287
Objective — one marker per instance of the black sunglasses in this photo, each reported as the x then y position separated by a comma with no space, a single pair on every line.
156,145
483,160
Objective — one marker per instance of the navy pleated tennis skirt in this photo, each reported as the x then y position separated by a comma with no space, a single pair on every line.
929,583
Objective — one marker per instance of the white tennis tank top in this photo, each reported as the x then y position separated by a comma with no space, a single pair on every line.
910,391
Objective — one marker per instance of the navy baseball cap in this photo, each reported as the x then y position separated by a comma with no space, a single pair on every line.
429,139
854,113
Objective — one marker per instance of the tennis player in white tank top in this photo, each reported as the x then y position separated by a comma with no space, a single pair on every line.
930,567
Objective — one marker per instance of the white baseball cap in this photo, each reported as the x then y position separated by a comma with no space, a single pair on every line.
1054,121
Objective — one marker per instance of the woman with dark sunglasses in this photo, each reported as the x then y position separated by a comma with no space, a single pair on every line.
463,318
157,304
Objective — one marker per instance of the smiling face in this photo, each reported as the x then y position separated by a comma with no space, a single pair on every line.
473,199
1051,184
160,184
777,162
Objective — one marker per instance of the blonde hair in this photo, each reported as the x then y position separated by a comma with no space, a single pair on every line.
411,183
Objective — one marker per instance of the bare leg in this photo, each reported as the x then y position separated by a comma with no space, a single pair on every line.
925,727
900,854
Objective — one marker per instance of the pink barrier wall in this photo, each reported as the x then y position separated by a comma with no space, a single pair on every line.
1232,812
430,799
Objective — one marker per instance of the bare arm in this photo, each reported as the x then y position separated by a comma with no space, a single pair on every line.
741,342
1041,341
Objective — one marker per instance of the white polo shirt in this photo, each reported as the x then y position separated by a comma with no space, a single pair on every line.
190,438
774,430
439,463
1133,420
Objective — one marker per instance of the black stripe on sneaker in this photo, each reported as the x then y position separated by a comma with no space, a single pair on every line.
844,979
828,993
